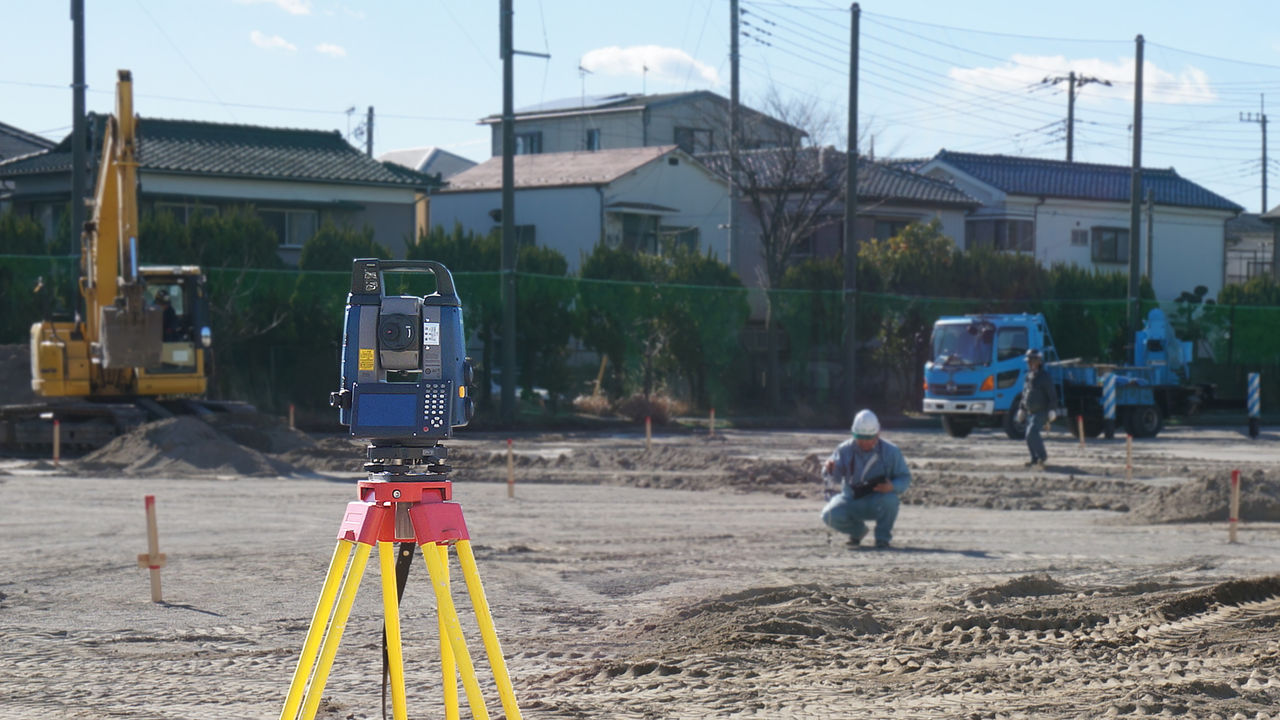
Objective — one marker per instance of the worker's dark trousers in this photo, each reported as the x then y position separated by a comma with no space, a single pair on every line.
1035,443
844,514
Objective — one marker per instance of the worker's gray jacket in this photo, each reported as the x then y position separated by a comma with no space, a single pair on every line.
884,461
1038,393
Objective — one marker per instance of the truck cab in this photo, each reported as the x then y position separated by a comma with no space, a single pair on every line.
976,368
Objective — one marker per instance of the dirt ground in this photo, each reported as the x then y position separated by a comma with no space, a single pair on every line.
689,580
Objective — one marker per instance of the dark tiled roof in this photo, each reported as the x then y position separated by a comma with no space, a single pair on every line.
1248,224
876,180
245,151
558,169
15,142
1084,181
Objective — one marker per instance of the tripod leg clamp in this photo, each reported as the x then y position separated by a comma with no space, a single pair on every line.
438,523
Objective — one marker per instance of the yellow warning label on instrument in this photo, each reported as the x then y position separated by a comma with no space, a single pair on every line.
366,358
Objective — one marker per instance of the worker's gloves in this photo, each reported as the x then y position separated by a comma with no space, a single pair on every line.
1053,415
1021,417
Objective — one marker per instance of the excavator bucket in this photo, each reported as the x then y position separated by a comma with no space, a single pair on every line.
131,339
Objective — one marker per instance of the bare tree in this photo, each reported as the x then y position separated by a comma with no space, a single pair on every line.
791,186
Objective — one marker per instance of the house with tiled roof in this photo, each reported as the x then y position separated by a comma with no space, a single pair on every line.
1079,213
429,161
890,197
695,121
295,179
15,142
629,197
1251,247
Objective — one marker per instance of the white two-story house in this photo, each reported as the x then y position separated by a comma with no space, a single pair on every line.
1079,213
631,198
696,122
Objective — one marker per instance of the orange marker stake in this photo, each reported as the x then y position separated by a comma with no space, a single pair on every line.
1080,426
153,559
648,432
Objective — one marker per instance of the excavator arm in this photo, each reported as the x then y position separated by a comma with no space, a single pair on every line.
122,330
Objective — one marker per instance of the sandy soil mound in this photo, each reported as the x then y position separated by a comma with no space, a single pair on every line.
176,447
328,454
1050,491
15,374
1207,499
264,433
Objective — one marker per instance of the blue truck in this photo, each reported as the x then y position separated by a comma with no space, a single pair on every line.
976,374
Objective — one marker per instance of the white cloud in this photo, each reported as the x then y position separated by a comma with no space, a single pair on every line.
336,51
271,42
1188,86
293,7
664,63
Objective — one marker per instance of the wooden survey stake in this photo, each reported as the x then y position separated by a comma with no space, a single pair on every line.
511,470
1234,521
153,559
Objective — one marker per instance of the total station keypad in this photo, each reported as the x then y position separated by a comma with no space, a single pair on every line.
435,404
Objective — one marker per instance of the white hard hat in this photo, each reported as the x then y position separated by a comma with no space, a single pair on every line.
866,424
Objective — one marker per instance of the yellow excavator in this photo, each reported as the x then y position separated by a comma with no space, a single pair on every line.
137,349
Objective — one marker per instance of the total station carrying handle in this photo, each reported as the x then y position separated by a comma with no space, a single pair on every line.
366,278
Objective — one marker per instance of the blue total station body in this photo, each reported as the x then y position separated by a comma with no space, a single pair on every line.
977,368
405,374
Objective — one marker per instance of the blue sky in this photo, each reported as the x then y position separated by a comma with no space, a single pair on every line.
965,76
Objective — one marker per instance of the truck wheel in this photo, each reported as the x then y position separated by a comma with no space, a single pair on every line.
1144,421
957,427
1014,429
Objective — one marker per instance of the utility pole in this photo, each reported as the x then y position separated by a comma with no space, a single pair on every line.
735,128
850,225
1261,119
1135,192
368,133
77,137
508,257
1073,81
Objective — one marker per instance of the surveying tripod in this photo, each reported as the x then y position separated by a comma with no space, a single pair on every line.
401,502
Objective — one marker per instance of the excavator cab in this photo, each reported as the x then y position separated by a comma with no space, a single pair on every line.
179,295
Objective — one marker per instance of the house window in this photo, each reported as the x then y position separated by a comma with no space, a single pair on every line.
1110,245
526,235
693,140
529,143
593,139
1079,238
293,228
1002,234
640,233
686,236
886,229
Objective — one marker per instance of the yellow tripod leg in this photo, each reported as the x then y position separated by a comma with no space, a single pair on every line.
333,636
453,629
484,618
391,619
448,665
319,619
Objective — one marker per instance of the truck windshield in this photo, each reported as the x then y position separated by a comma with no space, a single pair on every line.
955,344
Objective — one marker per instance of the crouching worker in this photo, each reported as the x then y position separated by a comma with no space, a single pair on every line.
872,474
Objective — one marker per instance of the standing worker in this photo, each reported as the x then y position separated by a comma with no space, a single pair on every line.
1039,405
873,474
